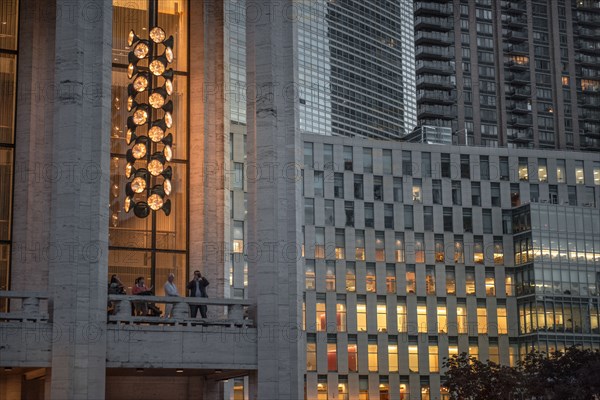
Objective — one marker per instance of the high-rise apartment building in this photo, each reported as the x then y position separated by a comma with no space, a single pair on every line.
510,73
355,68
339,267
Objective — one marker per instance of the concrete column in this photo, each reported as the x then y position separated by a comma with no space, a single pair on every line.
79,209
207,146
274,200
34,169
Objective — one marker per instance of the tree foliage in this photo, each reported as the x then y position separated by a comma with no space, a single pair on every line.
570,375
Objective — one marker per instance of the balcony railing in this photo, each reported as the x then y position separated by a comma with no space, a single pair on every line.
441,24
25,306
516,7
422,7
518,78
126,309
442,38
517,36
438,67
519,92
521,48
588,18
442,53
435,81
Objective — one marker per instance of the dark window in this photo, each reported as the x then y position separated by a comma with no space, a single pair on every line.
358,187
448,219
408,217
338,185
475,193
465,166
406,163
484,165
504,175
487,220
467,220
436,191
428,218
446,165
388,216
378,188
495,194
456,193
349,208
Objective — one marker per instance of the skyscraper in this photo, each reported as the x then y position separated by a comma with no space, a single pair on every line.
510,73
355,68
339,267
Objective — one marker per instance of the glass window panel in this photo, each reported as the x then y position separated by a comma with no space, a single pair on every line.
6,175
8,70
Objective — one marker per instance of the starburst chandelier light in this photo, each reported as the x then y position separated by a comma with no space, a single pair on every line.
151,147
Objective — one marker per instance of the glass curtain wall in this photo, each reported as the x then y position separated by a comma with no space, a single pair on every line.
133,252
9,28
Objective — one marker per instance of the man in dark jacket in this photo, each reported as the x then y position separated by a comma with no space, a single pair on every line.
197,288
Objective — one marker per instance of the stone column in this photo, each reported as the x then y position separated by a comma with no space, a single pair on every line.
274,201
34,172
79,208
207,146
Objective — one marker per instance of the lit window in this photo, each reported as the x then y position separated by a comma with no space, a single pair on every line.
494,356
450,280
452,350
523,169
381,317
565,80
490,283
498,251
331,357
459,255
399,247
579,175
419,248
363,389
509,285
482,323
404,391
321,316
430,279
470,282
416,191
320,243
461,319
371,282
542,170
478,250
352,357
359,236
361,317
311,354
502,321
401,316
372,356
322,393
474,350
439,249
421,318
413,358
434,363
410,279
238,236
341,317
442,319
392,358
330,276
597,173
350,277
390,278
310,274
340,244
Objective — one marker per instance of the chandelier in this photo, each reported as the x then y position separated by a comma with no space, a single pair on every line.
151,116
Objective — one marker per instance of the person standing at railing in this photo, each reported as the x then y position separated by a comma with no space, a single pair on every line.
197,288
170,290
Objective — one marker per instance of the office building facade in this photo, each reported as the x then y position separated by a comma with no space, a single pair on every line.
510,73
339,267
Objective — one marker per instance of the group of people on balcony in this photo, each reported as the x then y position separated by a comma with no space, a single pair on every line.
195,288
